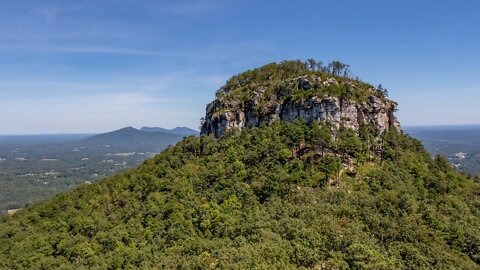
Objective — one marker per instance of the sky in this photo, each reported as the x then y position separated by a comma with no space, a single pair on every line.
95,66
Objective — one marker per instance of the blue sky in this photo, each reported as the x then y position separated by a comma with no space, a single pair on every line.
94,66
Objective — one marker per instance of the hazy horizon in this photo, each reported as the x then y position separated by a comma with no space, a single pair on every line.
92,132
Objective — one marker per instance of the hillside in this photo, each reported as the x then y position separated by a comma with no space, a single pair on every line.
305,193
33,168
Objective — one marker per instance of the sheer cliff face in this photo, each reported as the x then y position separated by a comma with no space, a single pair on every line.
222,115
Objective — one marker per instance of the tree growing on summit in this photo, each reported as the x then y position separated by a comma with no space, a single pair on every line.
383,90
320,66
311,64
338,68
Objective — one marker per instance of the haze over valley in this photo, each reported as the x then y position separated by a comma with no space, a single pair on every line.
36,167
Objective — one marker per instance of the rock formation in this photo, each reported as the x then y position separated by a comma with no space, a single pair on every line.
260,107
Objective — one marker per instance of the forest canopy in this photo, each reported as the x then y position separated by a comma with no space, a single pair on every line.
272,197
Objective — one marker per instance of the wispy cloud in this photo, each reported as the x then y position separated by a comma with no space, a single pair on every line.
79,66
73,105
214,52
163,83
184,7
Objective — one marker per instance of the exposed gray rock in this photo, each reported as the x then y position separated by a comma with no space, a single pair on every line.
330,81
304,83
222,115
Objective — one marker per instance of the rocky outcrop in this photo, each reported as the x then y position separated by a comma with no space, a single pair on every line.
222,115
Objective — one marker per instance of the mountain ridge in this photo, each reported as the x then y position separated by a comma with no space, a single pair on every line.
177,130
130,134
293,194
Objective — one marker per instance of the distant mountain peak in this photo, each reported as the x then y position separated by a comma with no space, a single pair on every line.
126,129
133,136
178,130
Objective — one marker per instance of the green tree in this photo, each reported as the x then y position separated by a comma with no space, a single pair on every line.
293,133
330,165
320,66
319,135
368,135
338,68
311,64
348,142
384,91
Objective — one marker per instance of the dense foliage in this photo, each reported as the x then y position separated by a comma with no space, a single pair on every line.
273,197
280,80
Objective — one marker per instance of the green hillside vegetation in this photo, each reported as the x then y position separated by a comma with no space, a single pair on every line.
269,197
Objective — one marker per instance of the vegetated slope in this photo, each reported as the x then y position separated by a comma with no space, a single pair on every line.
36,167
270,197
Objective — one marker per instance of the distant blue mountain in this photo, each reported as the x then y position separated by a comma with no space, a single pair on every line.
155,129
131,136
177,130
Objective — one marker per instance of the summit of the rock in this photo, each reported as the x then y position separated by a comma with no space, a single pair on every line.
291,90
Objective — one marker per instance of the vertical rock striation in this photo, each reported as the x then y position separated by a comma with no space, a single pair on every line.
223,114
